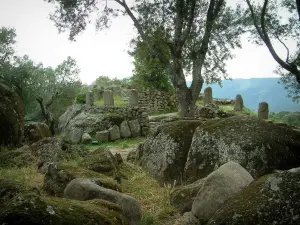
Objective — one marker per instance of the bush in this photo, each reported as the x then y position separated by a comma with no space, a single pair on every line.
80,98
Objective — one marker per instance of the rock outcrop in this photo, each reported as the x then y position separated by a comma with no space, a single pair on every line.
271,199
11,117
36,131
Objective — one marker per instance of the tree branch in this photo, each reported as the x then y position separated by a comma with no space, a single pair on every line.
254,20
191,18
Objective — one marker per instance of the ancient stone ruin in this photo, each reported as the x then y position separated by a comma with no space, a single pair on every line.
133,98
263,111
108,97
239,104
208,98
89,99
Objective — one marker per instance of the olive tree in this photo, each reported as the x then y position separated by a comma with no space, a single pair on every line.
199,34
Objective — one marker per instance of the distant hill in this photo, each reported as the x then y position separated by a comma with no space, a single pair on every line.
255,90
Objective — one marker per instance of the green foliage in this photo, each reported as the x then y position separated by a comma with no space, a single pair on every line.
292,118
149,71
57,87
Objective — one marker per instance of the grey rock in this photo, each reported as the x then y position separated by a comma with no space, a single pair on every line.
108,97
86,138
208,98
263,111
187,218
124,130
102,136
239,103
218,187
74,136
114,133
133,98
85,189
134,128
89,99
271,199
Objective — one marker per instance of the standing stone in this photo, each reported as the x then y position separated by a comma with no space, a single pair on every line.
86,138
89,98
134,128
263,111
75,135
133,98
108,97
114,133
208,96
102,136
239,104
124,130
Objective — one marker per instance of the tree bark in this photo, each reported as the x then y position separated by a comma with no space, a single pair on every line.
47,114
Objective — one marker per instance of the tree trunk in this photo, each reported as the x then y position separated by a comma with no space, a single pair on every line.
187,102
47,115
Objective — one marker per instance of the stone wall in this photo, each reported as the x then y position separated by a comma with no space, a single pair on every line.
155,100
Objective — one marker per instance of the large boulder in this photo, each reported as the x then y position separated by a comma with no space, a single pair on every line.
19,206
165,150
217,188
87,189
79,119
86,138
187,218
35,131
11,117
271,199
260,147
51,150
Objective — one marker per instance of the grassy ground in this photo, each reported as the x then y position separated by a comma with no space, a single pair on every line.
118,101
121,143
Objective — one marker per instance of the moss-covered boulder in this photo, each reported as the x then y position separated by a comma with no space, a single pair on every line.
271,199
166,148
31,208
101,161
182,197
35,131
19,157
59,176
259,146
11,117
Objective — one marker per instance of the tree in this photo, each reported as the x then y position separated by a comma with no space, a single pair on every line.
38,87
148,69
200,35
271,27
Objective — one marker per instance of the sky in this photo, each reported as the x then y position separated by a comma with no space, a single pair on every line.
105,52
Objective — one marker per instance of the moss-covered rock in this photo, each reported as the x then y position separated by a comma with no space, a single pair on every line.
182,197
30,208
271,199
35,131
59,176
101,161
11,117
166,148
260,147
16,157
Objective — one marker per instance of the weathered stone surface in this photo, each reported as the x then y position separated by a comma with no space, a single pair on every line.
218,187
263,111
131,157
114,133
11,117
124,130
86,138
187,219
108,97
182,197
51,150
258,146
133,98
89,99
102,136
208,98
165,150
60,175
210,110
134,128
271,199
19,206
100,160
75,135
86,189
35,131
239,103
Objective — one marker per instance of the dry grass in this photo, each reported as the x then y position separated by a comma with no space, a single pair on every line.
28,176
153,198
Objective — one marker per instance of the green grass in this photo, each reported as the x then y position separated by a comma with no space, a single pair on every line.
157,113
118,101
121,143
